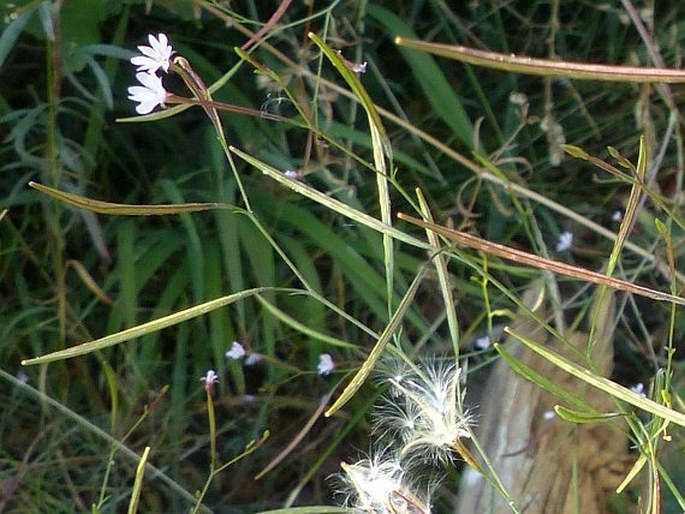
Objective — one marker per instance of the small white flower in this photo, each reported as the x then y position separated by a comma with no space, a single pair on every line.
639,389
156,56
210,379
236,352
253,358
549,415
293,174
358,67
425,409
565,241
149,95
482,343
326,365
617,216
516,98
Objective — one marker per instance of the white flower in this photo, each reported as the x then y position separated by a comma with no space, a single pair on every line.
565,241
425,410
149,95
516,98
378,485
617,216
253,358
639,389
326,365
210,379
549,415
156,56
292,174
482,343
236,352
358,67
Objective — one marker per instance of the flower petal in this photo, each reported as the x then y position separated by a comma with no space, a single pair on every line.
156,56
149,95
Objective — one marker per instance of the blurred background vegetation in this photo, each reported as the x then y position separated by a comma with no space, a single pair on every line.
70,276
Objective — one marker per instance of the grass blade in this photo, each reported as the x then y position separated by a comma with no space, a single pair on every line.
123,209
378,348
138,483
601,383
150,326
437,89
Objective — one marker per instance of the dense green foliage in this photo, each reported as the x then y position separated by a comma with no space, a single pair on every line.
70,275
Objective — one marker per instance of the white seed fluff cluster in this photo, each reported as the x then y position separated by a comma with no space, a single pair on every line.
420,422
429,414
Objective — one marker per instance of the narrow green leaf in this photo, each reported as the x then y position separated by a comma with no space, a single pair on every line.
11,32
584,417
381,149
575,151
631,208
378,348
111,379
150,326
329,202
302,327
637,467
138,482
541,381
443,275
601,383
357,88
430,78
122,209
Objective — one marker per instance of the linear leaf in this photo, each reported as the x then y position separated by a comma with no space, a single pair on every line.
150,326
378,348
123,209
601,383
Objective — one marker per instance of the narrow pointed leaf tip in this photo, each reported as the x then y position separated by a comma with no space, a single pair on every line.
122,209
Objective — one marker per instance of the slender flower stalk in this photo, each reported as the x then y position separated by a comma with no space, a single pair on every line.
210,379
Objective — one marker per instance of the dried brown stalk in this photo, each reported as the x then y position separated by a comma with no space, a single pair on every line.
529,259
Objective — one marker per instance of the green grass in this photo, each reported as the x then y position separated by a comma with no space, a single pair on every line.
292,268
